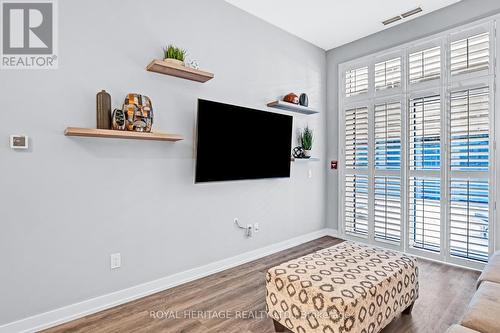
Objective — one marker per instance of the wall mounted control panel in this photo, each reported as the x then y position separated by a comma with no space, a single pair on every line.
18,141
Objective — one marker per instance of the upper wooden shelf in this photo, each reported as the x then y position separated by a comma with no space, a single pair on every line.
292,107
162,67
104,133
310,159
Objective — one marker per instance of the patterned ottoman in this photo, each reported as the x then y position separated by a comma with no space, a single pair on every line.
349,287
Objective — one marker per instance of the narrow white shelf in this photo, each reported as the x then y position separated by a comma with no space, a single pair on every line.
292,107
311,159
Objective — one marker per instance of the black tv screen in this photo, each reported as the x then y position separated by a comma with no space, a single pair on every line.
236,143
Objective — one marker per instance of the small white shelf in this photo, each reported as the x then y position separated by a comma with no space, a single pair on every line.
311,159
292,107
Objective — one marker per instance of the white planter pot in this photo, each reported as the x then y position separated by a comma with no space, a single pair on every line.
307,153
174,61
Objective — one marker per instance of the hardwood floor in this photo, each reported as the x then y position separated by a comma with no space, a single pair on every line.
239,293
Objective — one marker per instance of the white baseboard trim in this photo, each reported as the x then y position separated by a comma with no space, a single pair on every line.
93,305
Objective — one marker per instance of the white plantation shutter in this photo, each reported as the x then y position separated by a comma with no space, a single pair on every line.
424,128
424,160
387,160
425,65
470,54
469,216
424,213
388,74
469,130
356,205
356,138
469,164
387,206
417,164
356,81
387,134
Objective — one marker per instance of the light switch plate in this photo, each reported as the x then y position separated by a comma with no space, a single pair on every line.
18,141
116,260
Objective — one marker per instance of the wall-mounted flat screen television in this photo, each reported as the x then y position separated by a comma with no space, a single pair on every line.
236,143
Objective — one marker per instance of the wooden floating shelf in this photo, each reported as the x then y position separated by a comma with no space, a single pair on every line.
163,67
311,159
292,107
104,133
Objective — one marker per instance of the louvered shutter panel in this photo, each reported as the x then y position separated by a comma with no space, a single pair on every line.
424,148
425,65
356,205
469,130
469,164
387,187
356,138
388,74
469,216
424,213
387,206
417,160
387,134
356,81
424,125
470,54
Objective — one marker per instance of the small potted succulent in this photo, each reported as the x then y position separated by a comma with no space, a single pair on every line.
174,55
306,141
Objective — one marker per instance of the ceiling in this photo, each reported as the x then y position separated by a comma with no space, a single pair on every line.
331,23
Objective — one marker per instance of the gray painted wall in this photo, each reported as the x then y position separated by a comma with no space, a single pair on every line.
68,203
463,12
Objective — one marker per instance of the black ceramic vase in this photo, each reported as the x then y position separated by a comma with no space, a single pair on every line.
303,100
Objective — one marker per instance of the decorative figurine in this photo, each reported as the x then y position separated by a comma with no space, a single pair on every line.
191,63
118,120
298,152
303,100
103,107
138,113
291,98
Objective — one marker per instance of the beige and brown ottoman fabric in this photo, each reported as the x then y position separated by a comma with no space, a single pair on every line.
349,287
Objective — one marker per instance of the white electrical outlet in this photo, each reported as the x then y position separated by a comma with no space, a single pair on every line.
310,173
116,260
256,227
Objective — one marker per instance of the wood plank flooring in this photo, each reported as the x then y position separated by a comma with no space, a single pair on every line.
239,293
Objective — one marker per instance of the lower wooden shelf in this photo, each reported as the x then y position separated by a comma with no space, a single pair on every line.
104,133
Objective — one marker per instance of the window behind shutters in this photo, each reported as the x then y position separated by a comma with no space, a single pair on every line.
356,81
424,149
388,74
387,134
424,213
470,54
356,138
469,164
387,206
356,205
425,65
424,125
